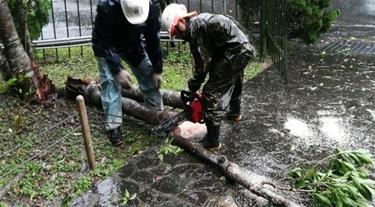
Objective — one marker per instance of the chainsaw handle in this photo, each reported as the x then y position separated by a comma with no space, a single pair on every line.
188,96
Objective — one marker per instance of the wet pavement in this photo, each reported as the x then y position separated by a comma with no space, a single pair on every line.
355,12
327,104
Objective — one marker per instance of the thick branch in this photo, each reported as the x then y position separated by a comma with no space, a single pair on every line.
91,92
170,98
251,181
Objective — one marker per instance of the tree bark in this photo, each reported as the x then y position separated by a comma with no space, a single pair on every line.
4,67
254,183
18,60
170,98
91,93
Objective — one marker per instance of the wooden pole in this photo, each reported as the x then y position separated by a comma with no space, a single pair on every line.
86,131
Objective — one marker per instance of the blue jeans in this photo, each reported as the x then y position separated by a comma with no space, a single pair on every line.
111,91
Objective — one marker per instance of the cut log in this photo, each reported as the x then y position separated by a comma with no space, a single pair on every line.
254,183
91,93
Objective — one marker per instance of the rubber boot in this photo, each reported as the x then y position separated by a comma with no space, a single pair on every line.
234,113
211,141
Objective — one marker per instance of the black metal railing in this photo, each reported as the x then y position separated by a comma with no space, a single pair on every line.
71,21
273,41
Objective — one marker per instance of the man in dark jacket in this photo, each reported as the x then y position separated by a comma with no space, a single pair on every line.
219,48
127,30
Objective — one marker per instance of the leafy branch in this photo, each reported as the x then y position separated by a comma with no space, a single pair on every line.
344,182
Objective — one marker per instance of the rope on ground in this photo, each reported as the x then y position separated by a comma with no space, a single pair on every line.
41,153
38,135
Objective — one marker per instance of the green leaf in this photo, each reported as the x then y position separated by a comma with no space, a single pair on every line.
338,200
349,202
161,157
132,197
296,172
322,199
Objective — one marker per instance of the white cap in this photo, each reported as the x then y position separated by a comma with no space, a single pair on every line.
170,12
135,11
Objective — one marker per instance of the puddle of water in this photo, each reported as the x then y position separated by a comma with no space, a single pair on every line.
372,112
298,127
333,129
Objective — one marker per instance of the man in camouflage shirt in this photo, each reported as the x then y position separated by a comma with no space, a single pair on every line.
219,48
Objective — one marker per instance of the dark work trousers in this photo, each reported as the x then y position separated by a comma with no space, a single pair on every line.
224,86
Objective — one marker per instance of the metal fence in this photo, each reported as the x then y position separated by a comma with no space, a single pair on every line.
70,21
70,24
274,33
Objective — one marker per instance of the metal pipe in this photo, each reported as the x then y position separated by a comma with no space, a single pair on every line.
91,14
79,24
225,6
41,35
67,26
54,29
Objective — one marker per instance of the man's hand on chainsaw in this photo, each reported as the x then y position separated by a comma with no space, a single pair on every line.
193,106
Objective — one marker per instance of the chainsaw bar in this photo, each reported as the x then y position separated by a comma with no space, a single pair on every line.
168,125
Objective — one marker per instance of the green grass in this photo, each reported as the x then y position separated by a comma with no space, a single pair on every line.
60,172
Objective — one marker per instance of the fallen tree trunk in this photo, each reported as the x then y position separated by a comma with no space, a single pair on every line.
170,98
251,181
183,138
91,93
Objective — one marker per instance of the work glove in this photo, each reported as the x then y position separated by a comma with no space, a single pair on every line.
123,77
157,78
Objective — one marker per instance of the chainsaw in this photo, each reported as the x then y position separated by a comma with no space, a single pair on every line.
193,111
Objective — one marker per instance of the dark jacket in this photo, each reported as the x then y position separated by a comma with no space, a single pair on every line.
113,36
214,36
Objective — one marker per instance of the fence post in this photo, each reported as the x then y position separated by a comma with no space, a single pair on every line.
86,131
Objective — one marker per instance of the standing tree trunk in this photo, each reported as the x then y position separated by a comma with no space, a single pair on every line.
16,56
18,60
4,67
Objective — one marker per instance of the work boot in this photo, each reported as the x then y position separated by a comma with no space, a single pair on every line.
115,136
211,140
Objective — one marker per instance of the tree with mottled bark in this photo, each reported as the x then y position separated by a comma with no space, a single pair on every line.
14,52
17,62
